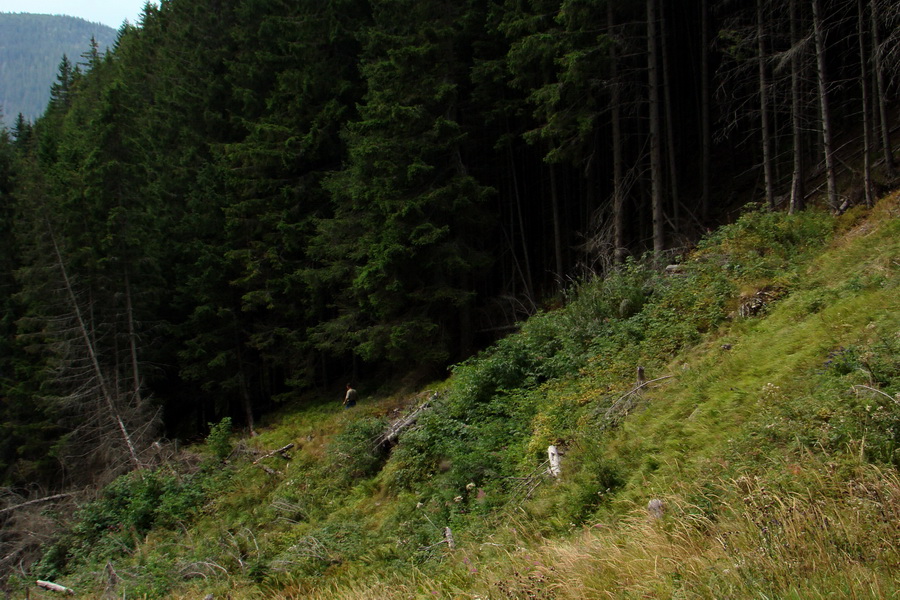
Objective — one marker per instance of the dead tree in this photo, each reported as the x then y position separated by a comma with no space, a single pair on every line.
796,57
880,86
90,351
825,108
866,106
764,105
89,346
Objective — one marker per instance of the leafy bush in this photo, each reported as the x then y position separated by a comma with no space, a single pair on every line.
412,461
353,452
126,510
761,242
219,438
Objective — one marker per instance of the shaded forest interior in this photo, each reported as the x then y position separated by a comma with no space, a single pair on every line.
242,201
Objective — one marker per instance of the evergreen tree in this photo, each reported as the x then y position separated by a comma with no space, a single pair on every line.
400,253
293,119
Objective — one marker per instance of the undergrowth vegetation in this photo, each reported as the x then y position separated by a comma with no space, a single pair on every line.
765,419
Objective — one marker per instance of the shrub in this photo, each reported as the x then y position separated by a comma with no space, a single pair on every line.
412,461
219,438
353,452
125,511
761,242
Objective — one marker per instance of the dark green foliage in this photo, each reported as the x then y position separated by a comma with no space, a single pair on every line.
125,511
400,254
355,452
293,118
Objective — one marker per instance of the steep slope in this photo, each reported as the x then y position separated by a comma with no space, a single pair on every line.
766,425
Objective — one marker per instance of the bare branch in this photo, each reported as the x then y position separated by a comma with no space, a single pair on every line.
36,501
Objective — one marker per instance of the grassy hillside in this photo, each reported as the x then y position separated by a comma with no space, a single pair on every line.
767,424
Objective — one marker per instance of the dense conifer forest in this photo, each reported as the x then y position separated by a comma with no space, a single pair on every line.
30,53
244,200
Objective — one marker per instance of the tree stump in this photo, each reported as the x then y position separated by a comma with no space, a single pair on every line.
554,468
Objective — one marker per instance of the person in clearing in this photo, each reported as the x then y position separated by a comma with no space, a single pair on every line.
350,397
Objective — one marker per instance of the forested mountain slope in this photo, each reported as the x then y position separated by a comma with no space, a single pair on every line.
246,205
31,47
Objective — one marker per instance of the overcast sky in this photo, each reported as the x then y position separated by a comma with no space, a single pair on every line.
108,12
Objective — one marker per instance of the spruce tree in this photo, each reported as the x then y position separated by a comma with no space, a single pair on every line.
400,253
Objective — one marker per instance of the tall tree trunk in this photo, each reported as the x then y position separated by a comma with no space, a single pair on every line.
880,95
866,108
618,201
557,226
670,122
132,342
519,216
705,125
246,401
764,105
822,79
797,179
656,192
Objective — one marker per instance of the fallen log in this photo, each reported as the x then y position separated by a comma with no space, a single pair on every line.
282,451
402,424
55,587
36,501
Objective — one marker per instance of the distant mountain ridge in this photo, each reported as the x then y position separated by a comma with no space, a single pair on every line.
31,48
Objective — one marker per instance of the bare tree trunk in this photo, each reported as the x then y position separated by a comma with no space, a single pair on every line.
246,402
132,342
704,108
822,79
526,275
881,92
618,203
670,125
656,192
557,226
764,106
797,179
866,109
92,354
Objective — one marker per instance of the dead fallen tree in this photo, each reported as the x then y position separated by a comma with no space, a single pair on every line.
389,436
621,407
282,451
36,501
54,587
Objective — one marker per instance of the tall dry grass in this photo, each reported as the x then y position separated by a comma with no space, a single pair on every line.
761,541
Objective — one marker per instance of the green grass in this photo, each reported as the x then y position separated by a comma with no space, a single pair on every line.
774,441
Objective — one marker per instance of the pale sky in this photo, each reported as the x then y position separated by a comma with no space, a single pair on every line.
108,12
